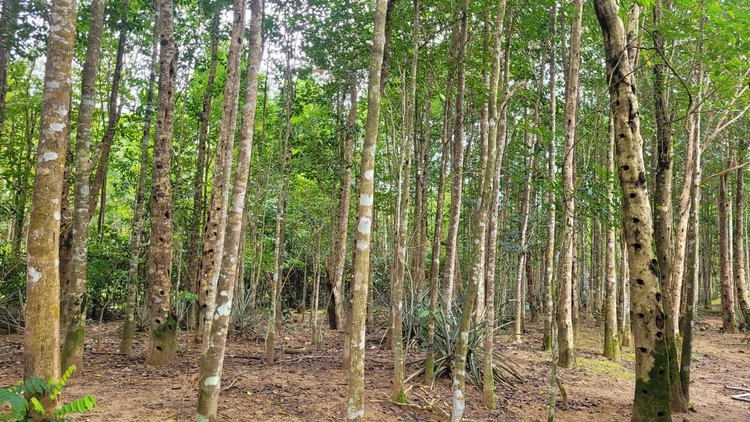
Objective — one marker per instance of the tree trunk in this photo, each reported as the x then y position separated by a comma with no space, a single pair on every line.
72,352
136,232
163,326
213,359
729,319
194,236
567,358
743,296
523,234
8,24
361,272
398,392
457,159
214,232
611,342
42,328
549,256
652,386
342,220
99,184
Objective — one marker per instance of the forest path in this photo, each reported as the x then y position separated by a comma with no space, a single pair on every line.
309,384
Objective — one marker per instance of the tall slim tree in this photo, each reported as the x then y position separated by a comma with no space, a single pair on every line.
212,360
72,353
652,390
214,232
162,326
128,329
366,183
8,18
549,255
194,236
567,358
611,342
42,316
457,159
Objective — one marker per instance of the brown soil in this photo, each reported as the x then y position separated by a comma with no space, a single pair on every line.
309,383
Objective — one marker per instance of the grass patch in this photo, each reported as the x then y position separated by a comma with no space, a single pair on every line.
606,367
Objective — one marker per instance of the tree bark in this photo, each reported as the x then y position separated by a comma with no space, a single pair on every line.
213,359
652,398
136,233
611,341
76,298
398,392
342,220
163,326
214,231
355,408
729,319
743,296
194,237
100,177
8,18
549,255
566,343
457,158
42,317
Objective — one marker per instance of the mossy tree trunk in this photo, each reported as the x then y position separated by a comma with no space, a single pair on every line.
126,343
213,359
652,386
565,337
42,311
355,403
162,326
75,301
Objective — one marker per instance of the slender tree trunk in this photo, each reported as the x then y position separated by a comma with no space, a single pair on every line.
99,184
625,326
163,326
729,319
42,327
126,343
479,234
397,289
743,296
316,293
549,256
567,358
652,386
611,341
457,158
523,234
72,352
194,236
342,221
355,408
213,359
214,231
8,18
693,270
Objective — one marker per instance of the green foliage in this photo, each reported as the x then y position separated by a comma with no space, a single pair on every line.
504,370
24,396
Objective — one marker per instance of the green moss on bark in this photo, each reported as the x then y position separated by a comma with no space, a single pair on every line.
652,396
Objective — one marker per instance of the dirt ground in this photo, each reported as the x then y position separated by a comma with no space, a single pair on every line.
309,383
